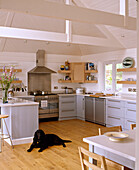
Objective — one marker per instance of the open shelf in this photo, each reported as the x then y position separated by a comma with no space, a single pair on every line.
15,70
91,81
91,71
17,81
126,70
64,81
126,82
64,71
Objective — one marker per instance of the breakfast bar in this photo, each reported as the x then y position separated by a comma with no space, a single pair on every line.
122,152
22,121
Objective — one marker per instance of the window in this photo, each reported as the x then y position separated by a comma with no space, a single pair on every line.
112,76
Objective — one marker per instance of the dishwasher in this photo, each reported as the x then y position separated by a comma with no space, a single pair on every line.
95,110
100,116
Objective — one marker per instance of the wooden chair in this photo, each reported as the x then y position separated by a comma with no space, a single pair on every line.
109,129
104,163
132,126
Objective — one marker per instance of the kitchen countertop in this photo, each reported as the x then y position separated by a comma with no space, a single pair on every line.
17,102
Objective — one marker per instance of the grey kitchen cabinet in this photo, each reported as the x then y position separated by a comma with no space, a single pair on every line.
90,109
67,107
120,112
80,107
95,110
100,116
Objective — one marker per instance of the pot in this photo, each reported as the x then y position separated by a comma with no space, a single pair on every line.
68,90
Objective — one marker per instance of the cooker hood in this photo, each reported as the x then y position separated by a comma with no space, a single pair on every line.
40,64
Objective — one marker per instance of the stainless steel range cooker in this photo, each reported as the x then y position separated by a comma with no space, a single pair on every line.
48,104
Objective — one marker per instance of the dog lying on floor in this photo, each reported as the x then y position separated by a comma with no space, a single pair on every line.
42,141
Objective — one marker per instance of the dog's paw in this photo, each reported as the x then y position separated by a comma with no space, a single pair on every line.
40,150
64,145
29,150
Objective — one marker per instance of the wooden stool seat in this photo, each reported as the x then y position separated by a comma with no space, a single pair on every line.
4,136
3,116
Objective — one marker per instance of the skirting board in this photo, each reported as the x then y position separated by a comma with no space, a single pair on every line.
20,141
67,118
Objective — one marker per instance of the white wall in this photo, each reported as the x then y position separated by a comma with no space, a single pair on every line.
99,59
27,61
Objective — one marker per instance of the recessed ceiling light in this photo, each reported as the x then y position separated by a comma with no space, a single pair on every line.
122,35
25,41
47,42
68,44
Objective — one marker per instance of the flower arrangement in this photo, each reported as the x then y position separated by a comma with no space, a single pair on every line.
6,79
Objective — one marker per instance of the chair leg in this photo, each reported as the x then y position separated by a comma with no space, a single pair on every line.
8,134
0,145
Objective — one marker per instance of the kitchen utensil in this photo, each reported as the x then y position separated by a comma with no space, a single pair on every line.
116,136
68,90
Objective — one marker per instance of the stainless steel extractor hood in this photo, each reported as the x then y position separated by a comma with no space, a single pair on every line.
40,64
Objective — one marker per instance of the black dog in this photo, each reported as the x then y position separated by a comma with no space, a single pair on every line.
42,141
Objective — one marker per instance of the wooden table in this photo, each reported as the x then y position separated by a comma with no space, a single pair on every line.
122,152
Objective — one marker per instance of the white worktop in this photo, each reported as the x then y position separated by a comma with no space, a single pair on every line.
123,98
17,102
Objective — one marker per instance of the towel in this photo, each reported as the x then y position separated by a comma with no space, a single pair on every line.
44,103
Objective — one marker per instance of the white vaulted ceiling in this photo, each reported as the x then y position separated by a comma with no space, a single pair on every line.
126,38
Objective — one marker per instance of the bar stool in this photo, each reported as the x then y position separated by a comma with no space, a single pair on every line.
4,136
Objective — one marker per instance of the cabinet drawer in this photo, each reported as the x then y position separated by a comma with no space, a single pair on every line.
114,121
67,106
130,105
67,99
67,113
114,103
128,123
115,111
130,114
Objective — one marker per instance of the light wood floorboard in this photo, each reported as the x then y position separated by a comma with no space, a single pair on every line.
55,157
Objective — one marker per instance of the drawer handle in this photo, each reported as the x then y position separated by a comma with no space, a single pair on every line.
114,101
114,117
131,103
67,110
131,121
114,107
131,110
67,102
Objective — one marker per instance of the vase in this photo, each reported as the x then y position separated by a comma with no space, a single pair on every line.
5,96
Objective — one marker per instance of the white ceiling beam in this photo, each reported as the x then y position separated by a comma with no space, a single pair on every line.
67,12
27,34
8,22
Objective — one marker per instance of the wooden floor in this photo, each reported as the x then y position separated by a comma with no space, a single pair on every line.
56,157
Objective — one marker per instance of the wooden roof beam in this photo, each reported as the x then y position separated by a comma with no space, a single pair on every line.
67,12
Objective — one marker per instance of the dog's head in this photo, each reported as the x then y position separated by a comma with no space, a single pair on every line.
39,135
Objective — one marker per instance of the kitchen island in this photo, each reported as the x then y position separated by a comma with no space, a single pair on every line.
22,121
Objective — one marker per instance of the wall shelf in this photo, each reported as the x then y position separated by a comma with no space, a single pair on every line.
64,81
64,71
15,70
91,71
126,70
126,82
91,81
16,81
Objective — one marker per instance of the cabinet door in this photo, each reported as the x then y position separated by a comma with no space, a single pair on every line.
77,72
80,107
90,109
100,111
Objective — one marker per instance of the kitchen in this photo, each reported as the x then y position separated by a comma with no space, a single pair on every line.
26,58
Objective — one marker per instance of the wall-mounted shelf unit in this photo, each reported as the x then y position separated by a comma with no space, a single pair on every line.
16,81
126,82
15,70
64,81
64,71
91,81
91,71
126,70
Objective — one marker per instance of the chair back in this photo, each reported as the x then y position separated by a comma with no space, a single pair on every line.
85,163
109,129
132,126
102,161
